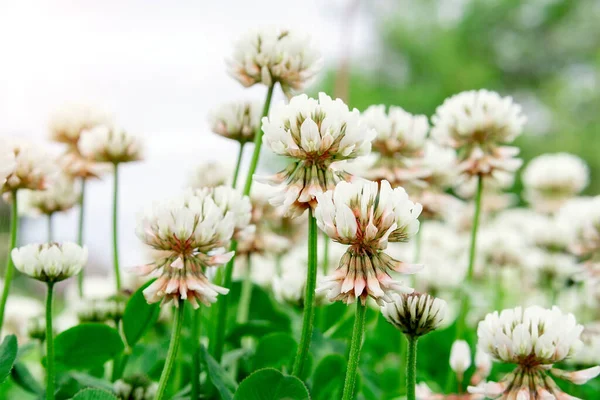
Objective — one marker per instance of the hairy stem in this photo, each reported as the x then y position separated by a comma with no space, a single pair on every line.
411,367
172,352
355,346
49,344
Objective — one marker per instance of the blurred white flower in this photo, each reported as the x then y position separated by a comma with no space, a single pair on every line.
415,314
135,388
32,168
50,262
67,124
110,145
483,365
238,120
534,338
190,233
314,134
109,309
551,179
19,310
590,354
289,287
7,161
460,357
272,55
61,195
366,217
587,237
210,174
504,248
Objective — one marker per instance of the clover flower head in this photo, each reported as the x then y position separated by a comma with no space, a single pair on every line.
232,201
415,314
110,145
236,120
61,195
50,262
68,123
31,167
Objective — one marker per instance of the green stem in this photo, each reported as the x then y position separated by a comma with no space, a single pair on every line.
115,228
10,268
172,352
355,346
411,367
473,248
325,257
80,232
403,351
257,143
418,237
197,318
309,297
245,295
119,364
238,163
49,345
50,230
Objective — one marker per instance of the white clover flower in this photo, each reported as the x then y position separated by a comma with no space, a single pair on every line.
290,286
505,248
210,174
109,309
61,195
75,165
110,145
551,179
314,134
534,338
478,123
68,123
366,217
238,120
135,388
32,168
7,161
50,262
415,314
587,237
230,200
190,233
272,55
460,357
19,310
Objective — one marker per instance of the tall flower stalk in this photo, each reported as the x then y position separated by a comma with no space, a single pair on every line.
50,373
358,332
10,269
80,227
115,227
411,367
172,352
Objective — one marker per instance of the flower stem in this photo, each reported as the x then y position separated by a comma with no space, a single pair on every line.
238,163
411,367
80,232
115,228
10,268
309,297
172,352
245,295
325,256
475,227
50,230
196,320
355,346
257,143
49,344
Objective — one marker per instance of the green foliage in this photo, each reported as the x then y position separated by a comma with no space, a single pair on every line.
87,346
270,384
8,355
219,378
139,316
276,350
328,378
94,394
22,377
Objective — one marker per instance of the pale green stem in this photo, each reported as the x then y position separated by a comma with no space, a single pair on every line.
115,228
50,378
238,163
244,310
196,320
411,367
50,230
80,232
355,346
10,268
172,352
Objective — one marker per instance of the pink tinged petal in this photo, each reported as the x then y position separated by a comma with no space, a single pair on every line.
178,263
221,258
142,269
172,286
577,377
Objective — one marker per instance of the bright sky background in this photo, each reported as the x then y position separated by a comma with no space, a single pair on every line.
157,67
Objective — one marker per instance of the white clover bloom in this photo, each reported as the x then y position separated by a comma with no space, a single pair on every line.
460,357
505,248
135,388
238,120
534,338
101,310
210,174
50,262
110,145
68,123
61,195
314,134
190,233
478,123
7,161
415,314
587,237
19,310
272,55
551,179
230,200
366,217
32,168
290,286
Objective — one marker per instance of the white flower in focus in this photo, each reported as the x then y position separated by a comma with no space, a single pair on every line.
110,145
210,174
415,314
61,195
238,121
272,55
460,357
534,338
32,168
50,262
230,200
190,233
551,179
366,217
67,124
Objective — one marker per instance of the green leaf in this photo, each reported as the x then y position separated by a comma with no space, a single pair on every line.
328,378
88,381
8,355
217,375
276,350
256,328
139,316
270,384
22,377
87,345
94,394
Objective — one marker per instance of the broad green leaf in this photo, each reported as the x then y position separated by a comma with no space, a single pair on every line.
276,350
8,354
270,384
22,377
217,375
328,378
94,394
139,316
87,345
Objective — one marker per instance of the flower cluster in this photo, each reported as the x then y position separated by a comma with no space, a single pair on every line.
68,123
109,145
236,120
314,134
273,55
61,195
210,174
415,314
366,217
29,168
50,262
